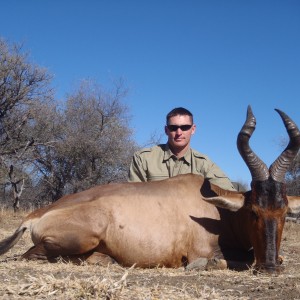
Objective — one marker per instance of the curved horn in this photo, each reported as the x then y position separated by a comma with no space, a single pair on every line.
257,167
282,163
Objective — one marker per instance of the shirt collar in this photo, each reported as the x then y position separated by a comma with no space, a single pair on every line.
168,154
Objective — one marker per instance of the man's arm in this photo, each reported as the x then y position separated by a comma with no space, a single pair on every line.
218,177
136,171
206,167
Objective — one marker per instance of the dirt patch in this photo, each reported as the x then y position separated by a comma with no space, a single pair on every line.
43,280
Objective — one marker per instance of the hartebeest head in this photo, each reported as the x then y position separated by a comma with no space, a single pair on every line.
267,201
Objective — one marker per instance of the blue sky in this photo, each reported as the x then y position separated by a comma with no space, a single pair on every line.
213,57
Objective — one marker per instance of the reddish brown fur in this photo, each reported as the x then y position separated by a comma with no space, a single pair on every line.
166,223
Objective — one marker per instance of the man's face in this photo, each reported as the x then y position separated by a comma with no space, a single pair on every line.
179,138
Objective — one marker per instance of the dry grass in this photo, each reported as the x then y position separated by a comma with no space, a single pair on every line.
43,280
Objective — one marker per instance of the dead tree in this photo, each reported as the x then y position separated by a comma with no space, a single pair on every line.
17,187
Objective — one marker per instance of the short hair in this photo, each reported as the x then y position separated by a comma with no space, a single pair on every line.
178,111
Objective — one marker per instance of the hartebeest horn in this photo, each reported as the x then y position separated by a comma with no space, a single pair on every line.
282,163
257,167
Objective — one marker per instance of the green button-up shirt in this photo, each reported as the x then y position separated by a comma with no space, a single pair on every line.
159,163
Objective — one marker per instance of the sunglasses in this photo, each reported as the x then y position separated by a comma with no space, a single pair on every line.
182,127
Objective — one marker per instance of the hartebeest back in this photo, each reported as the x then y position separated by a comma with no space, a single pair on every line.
179,221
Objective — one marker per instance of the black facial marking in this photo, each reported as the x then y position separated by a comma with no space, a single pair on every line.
271,239
269,194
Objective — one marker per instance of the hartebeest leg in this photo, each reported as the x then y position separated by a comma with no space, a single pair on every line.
36,252
199,264
39,252
44,251
217,264
97,258
204,263
222,264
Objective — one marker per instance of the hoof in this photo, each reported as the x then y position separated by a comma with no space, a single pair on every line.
198,265
216,264
100,259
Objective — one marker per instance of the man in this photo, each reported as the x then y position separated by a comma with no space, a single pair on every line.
176,157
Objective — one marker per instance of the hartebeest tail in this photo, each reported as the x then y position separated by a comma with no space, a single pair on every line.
9,242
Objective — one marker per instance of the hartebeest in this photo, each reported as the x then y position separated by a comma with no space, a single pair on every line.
173,222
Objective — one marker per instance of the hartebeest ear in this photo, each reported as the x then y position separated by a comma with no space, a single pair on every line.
294,204
231,202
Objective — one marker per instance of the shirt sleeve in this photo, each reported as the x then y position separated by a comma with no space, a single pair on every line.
136,170
206,167
218,177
